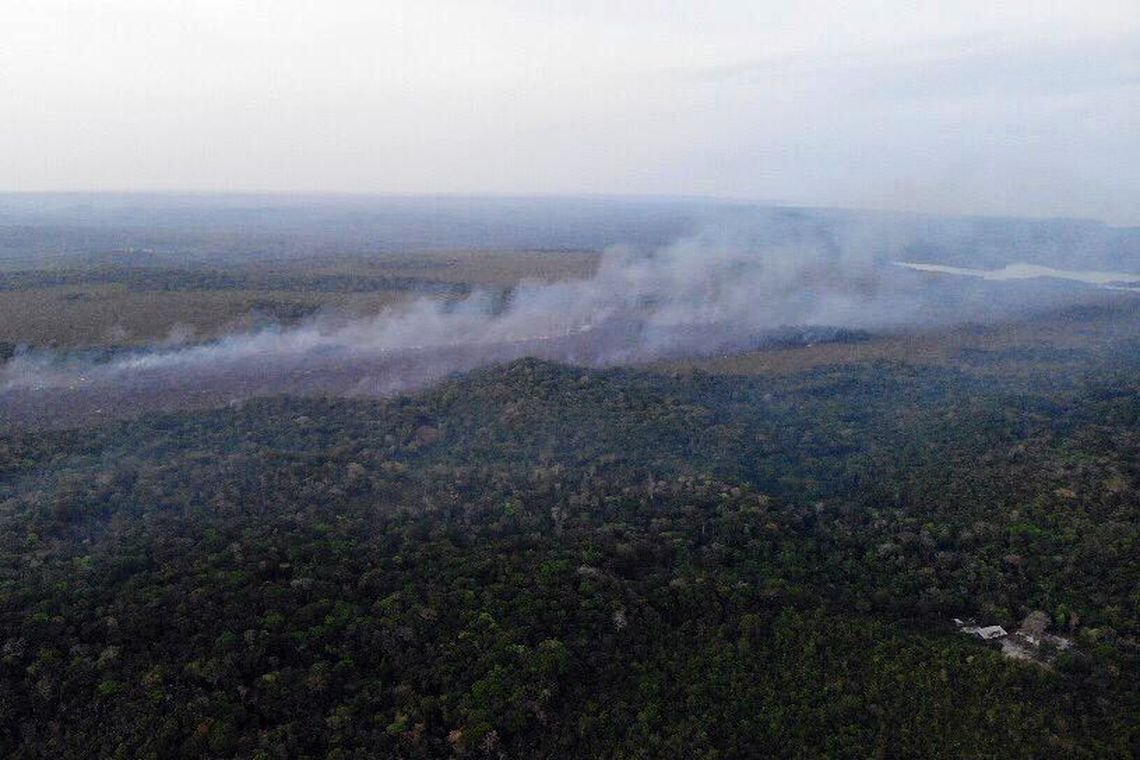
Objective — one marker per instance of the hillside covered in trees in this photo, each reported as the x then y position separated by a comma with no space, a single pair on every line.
537,560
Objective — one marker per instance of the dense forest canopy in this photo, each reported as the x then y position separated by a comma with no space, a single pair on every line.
542,560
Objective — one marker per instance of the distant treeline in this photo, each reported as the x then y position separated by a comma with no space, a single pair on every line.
164,279
244,228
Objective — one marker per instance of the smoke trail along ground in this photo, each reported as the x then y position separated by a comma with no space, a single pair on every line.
695,282
712,292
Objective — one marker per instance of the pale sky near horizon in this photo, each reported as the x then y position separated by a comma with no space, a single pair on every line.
1025,108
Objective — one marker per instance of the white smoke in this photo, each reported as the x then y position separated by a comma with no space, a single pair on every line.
715,280
713,291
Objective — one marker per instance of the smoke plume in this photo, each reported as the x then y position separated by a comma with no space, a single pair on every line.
727,287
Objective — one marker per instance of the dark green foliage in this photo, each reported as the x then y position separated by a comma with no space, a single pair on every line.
544,561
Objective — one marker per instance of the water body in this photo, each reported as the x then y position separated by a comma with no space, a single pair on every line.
1021,271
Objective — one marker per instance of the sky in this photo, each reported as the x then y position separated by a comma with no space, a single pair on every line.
979,107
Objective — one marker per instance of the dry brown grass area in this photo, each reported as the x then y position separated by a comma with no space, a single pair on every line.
94,314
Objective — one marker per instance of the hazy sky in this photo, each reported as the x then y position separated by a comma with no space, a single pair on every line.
981,106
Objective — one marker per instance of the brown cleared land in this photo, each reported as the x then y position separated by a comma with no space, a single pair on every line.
90,311
111,315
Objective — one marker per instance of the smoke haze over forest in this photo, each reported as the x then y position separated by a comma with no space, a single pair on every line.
496,379
731,276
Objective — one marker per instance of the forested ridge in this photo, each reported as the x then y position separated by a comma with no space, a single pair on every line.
538,560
